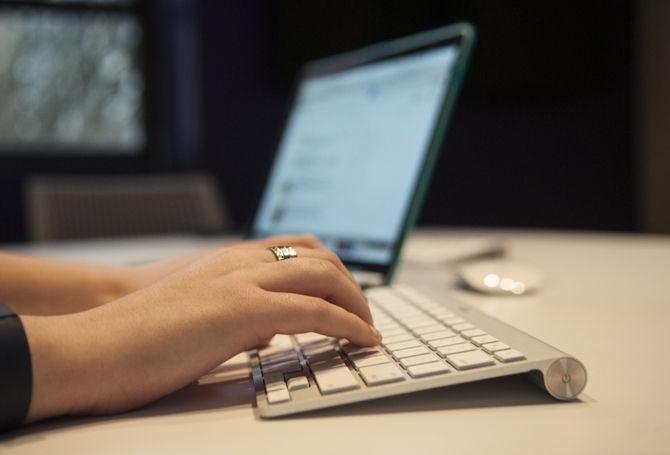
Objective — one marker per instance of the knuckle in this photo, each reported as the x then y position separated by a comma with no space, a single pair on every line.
311,239
327,268
334,258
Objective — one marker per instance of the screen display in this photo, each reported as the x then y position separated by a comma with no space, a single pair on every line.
352,152
70,82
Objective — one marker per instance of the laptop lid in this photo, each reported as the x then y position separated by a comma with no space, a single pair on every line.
360,143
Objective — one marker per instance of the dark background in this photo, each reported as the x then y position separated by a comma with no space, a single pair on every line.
542,135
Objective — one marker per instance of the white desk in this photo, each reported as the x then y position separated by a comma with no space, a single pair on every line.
605,301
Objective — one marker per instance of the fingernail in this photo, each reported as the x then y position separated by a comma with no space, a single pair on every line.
376,332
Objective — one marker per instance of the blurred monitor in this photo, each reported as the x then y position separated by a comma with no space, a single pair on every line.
71,79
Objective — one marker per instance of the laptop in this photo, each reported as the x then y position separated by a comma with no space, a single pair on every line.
352,167
360,144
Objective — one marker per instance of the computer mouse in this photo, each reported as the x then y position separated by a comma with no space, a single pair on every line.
500,276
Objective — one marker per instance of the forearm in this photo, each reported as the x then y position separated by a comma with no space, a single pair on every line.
120,356
40,286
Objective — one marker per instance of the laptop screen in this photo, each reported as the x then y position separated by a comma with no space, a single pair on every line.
351,154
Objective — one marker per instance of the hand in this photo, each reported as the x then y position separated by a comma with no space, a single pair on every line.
157,340
138,277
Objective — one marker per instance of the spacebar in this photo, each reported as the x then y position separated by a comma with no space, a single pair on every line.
335,380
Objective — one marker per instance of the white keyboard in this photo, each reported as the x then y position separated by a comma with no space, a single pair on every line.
426,344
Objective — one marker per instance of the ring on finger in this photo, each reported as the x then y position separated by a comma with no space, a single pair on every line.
283,252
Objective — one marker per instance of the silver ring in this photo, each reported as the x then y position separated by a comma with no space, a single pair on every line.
283,252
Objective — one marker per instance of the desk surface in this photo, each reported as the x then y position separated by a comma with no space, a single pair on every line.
604,300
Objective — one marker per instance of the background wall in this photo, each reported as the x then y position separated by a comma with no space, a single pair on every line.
653,115
542,135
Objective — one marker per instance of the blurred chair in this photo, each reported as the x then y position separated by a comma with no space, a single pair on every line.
75,206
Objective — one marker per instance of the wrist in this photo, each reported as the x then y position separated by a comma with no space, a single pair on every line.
57,368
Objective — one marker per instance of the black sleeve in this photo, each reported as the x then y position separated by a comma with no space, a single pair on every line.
16,375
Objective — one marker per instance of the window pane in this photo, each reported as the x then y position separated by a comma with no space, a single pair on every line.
70,81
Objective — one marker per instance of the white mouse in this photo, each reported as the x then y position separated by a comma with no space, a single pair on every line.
500,276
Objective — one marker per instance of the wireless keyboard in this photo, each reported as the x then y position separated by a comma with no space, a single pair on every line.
426,344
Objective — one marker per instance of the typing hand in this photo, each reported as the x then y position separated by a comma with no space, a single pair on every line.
156,340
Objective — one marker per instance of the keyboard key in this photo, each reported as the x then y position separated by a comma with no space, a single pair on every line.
468,360
444,333
414,316
279,358
419,359
297,383
462,327
402,345
393,332
472,333
411,352
429,329
381,374
445,342
387,323
442,314
418,323
274,352
455,348
311,350
323,356
315,350
407,313
428,304
283,367
479,340
509,355
398,338
352,349
385,297
493,347
427,369
433,308
315,342
453,321
369,361
285,341
333,380
367,352
383,321
278,396
320,364
274,382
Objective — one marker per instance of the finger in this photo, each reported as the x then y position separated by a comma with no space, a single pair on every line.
246,255
296,313
351,296
306,240
325,255
334,258
317,278
259,254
